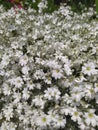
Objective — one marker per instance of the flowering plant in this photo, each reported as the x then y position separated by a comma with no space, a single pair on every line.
16,3
48,70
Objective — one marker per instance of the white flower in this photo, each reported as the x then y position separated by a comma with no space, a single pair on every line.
65,110
56,93
17,97
30,85
14,45
18,21
96,98
43,121
18,82
64,11
18,53
89,68
38,86
23,60
38,101
26,93
8,126
60,123
89,91
48,80
96,87
57,73
91,118
6,89
77,94
67,69
25,70
53,64
12,126
42,5
83,126
53,116
48,93
19,107
76,115
39,74
5,60
4,126
52,93
8,113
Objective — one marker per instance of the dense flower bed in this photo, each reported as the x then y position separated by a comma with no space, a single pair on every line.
48,70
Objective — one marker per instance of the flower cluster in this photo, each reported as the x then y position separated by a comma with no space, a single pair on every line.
48,70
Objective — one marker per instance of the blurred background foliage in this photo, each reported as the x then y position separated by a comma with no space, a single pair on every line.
76,5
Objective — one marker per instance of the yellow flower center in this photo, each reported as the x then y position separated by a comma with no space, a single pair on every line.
60,120
76,92
49,78
91,91
96,85
55,93
90,115
76,113
18,81
44,119
88,68
57,70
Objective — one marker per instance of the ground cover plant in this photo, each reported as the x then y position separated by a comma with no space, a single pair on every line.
76,5
48,70
51,5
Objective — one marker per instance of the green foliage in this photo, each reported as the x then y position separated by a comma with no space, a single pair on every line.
79,5
76,5
29,3
51,5
6,4
96,5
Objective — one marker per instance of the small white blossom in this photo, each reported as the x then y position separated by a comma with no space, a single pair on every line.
60,123
23,60
5,60
89,69
96,87
57,74
76,116
6,89
25,70
8,113
48,93
38,101
18,82
51,93
26,94
48,69
43,121
91,118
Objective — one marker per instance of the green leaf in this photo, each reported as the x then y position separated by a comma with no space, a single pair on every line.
96,2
